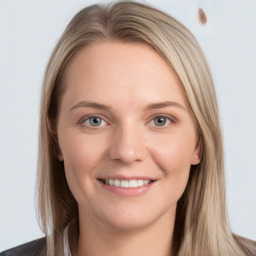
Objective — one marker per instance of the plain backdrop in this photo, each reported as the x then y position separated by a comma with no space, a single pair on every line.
28,32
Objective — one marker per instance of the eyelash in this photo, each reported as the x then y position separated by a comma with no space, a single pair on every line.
87,118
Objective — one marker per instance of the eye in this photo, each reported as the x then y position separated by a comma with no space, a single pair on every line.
161,121
94,121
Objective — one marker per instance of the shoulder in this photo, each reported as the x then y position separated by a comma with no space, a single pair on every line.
34,248
247,245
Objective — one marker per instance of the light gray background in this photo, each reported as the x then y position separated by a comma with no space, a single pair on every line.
28,32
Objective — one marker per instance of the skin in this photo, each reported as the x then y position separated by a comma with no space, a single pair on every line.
128,141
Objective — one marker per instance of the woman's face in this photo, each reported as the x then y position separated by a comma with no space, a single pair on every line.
126,135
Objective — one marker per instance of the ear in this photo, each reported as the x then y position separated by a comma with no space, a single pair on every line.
51,124
196,157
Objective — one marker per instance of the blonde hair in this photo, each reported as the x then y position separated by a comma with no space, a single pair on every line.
201,226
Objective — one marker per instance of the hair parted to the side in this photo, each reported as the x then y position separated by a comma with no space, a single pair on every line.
201,226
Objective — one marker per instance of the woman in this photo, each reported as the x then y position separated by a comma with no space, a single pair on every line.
131,154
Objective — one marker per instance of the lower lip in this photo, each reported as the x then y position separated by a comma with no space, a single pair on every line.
128,192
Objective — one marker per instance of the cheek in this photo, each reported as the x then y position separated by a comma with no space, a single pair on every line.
173,154
82,155
81,151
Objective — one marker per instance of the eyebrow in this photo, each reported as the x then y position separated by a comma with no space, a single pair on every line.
88,104
164,105
152,106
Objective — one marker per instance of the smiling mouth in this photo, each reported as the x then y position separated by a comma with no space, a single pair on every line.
126,183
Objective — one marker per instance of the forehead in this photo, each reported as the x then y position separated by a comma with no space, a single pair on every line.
123,71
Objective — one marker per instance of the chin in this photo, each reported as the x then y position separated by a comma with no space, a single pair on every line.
134,218
128,223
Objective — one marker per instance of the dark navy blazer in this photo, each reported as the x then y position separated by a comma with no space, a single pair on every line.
33,248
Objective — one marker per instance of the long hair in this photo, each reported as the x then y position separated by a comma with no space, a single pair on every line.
201,226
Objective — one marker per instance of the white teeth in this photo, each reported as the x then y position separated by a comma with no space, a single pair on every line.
127,183
145,182
124,183
117,183
140,183
133,183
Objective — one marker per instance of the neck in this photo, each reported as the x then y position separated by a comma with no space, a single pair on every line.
154,239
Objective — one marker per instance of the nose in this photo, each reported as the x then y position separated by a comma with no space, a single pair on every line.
128,146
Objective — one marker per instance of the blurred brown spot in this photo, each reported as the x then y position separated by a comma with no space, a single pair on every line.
202,16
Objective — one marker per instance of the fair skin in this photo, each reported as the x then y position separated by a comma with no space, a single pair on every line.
124,116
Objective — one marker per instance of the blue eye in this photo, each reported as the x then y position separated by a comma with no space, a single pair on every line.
94,121
161,121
